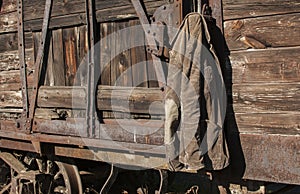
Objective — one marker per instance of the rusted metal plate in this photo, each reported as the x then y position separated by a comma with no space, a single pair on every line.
272,158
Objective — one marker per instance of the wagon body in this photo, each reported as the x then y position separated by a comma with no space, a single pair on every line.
261,73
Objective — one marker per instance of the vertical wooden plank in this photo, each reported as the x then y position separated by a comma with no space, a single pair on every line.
36,40
105,54
105,60
49,77
58,58
69,39
124,57
82,50
152,79
115,48
138,57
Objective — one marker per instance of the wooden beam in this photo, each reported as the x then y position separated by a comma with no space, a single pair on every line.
271,31
266,65
266,98
72,13
235,9
121,99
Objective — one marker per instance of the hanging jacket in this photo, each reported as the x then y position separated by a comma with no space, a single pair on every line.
195,100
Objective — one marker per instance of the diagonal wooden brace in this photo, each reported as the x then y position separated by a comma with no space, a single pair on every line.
151,42
38,65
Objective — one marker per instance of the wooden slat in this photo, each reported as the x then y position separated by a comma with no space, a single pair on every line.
138,56
115,60
143,132
8,6
82,50
266,98
123,99
36,36
271,31
65,97
9,41
10,80
49,77
58,58
247,98
269,65
105,11
136,100
10,99
70,53
268,123
233,9
105,53
8,22
34,9
151,74
125,57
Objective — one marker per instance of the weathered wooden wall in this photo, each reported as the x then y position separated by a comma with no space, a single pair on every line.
67,46
264,43
263,37
262,71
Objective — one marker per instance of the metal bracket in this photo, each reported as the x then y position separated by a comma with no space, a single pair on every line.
23,73
38,65
151,41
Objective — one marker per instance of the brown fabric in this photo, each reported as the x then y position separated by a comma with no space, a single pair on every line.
194,102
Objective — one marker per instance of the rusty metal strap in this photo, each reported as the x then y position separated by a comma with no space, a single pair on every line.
91,83
21,48
38,62
150,39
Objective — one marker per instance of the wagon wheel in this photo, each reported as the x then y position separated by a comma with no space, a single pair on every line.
30,174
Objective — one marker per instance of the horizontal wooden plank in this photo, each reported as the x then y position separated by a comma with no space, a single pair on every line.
234,9
126,99
72,13
286,123
247,98
8,22
65,97
120,99
271,31
266,98
34,9
148,132
8,6
10,80
10,60
9,41
10,99
266,65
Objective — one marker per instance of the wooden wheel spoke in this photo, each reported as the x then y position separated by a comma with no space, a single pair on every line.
5,188
58,175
